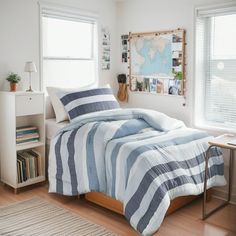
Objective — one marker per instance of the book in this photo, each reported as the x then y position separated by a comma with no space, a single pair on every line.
33,140
26,128
21,133
29,165
27,137
32,135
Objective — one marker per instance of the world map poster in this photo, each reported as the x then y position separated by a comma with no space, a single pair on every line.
156,57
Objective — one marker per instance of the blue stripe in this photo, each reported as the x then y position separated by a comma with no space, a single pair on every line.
91,164
92,107
81,94
59,182
128,128
71,162
171,184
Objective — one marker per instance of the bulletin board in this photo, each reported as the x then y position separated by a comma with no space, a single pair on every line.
157,62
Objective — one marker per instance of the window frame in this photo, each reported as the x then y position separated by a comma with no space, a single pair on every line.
67,13
211,10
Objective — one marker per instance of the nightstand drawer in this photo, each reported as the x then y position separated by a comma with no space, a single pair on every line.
29,104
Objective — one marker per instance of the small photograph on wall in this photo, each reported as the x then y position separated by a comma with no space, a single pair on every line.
106,49
160,86
153,85
133,84
124,48
174,87
139,84
146,85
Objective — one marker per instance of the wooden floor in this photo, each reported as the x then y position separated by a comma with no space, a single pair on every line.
186,221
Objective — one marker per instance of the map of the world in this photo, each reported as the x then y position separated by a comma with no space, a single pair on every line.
152,55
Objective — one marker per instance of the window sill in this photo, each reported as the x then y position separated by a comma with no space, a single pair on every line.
214,129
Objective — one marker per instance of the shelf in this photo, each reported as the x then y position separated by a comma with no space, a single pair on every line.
20,147
31,181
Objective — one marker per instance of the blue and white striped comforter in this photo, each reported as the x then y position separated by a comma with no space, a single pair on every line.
141,157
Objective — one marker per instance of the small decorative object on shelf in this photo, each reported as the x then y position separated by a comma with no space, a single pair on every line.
13,79
30,67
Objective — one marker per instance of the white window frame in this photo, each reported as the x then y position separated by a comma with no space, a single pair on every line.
67,12
207,10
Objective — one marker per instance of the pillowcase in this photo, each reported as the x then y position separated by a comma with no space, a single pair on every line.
58,107
87,101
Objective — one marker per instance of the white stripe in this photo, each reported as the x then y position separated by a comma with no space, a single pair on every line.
106,131
80,160
88,100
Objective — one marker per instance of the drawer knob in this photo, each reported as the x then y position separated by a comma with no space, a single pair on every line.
30,98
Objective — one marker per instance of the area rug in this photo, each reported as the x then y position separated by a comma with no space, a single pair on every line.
40,218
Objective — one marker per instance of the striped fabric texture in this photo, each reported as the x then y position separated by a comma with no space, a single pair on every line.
142,158
87,101
41,218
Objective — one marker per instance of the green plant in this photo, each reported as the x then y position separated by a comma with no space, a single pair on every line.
178,75
13,78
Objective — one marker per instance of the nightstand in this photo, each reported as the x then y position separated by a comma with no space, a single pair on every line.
221,142
21,109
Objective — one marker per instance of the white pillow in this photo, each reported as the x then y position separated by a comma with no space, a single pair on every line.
58,107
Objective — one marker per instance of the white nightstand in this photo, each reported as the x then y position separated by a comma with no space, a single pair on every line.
20,109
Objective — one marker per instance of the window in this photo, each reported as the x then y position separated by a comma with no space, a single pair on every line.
215,72
69,50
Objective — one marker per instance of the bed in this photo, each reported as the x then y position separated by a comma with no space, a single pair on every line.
145,166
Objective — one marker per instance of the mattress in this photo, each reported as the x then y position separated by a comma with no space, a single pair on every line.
52,127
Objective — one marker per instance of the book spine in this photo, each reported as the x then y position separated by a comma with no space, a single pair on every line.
19,133
33,140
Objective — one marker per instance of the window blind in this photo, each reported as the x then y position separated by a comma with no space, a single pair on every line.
216,67
69,46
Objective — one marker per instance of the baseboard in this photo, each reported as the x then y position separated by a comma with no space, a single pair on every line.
222,194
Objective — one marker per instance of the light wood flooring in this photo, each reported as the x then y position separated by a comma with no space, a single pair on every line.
184,222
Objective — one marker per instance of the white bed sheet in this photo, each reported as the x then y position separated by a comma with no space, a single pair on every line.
52,127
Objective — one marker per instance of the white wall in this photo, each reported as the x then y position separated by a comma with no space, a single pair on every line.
19,37
156,15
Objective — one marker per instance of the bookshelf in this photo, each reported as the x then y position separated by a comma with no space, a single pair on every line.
20,109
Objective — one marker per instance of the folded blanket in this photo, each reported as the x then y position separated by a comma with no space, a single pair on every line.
141,157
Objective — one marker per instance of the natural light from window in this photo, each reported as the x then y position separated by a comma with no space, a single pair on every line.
216,71
69,52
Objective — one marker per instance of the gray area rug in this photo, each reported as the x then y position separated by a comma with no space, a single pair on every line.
40,218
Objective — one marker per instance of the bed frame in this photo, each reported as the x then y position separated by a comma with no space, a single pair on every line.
116,206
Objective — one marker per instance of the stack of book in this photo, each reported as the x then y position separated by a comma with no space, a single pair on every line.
29,165
27,134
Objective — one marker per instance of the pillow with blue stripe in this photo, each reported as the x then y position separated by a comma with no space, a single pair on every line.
87,101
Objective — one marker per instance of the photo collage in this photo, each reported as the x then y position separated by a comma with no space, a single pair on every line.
156,85
106,49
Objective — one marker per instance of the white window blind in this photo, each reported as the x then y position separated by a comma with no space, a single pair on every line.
216,67
69,48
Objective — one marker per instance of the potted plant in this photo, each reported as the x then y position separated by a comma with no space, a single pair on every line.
13,79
